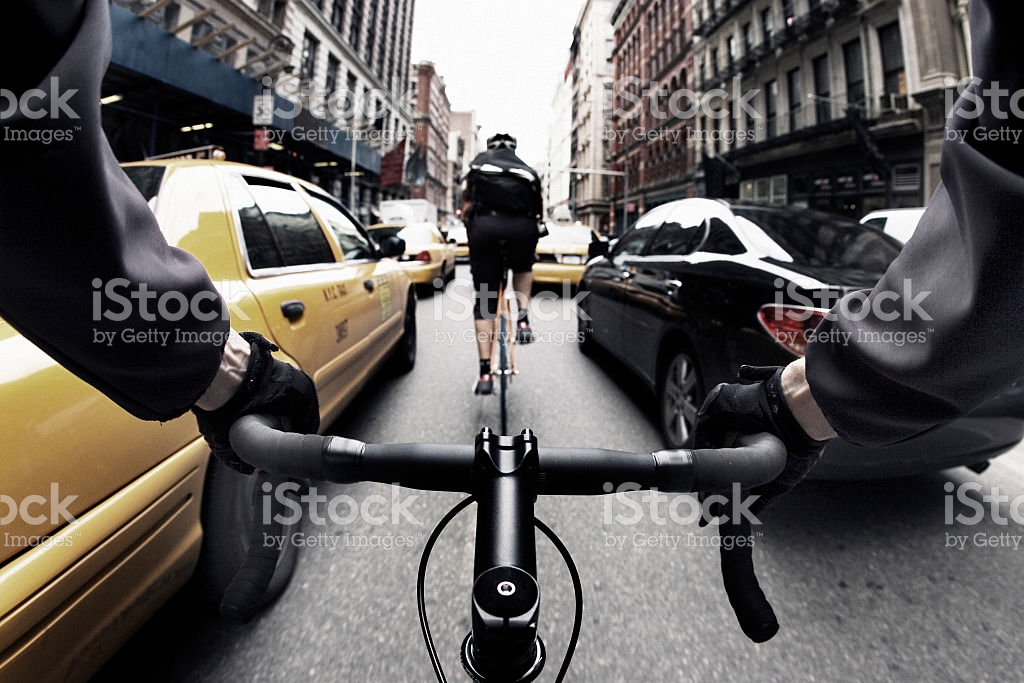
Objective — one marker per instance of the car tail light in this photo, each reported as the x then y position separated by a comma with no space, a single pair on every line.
423,256
790,326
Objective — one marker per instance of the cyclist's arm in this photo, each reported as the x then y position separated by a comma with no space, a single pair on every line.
954,343
71,223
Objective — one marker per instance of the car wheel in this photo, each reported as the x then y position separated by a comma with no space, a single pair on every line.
584,329
229,502
404,358
679,399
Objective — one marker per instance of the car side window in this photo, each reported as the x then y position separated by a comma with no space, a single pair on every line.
722,240
676,239
876,223
633,242
277,225
353,244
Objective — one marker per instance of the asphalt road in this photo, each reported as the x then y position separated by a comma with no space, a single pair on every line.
868,579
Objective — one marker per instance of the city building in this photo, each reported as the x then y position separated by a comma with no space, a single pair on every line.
274,83
652,146
591,103
830,103
557,183
463,145
429,171
834,104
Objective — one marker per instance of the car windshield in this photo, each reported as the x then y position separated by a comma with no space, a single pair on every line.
570,235
822,241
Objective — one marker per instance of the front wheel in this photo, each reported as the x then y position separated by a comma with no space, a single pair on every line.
679,398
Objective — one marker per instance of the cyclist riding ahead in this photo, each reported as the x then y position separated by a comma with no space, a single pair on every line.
502,204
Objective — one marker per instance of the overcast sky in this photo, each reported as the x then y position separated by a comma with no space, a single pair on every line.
500,58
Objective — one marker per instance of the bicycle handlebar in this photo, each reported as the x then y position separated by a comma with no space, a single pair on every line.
505,475
449,467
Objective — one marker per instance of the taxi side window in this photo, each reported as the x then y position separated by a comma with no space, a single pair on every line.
278,226
353,244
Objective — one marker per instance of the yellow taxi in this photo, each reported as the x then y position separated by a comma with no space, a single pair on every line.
458,233
104,517
429,258
563,253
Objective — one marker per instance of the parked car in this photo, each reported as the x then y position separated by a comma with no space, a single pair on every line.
897,223
563,253
429,258
140,506
698,287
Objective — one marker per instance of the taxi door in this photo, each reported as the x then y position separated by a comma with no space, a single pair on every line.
317,308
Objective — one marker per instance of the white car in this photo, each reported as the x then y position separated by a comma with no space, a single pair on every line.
897,223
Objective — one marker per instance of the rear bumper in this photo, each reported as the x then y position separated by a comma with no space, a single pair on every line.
991,430
545,272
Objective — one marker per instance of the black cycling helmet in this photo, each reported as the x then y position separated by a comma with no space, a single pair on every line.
501,140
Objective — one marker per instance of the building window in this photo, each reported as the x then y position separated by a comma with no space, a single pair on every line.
338,14
310,46
771,96
788,13
371,33
331,80
893,75
748,38
730,49
822,89
796,99
355,26
854,65
273,10
714,61
767,25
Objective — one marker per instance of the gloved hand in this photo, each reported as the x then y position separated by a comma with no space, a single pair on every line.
269,387
758,407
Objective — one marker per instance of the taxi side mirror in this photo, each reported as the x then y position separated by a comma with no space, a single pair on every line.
392,246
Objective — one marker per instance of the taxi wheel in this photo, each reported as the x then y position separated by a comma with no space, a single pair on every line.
229,501
404,357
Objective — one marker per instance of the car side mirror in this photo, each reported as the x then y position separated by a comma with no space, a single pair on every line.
392,246
598,248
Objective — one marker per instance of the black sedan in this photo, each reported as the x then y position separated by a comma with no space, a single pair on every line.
698,287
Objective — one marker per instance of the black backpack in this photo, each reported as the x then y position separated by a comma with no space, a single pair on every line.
500,181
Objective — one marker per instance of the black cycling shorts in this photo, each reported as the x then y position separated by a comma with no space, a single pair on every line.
486,234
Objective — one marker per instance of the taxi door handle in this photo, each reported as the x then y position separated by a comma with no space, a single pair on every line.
293,310
368,284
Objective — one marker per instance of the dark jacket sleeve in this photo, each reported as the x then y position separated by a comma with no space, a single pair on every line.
71,223
959,280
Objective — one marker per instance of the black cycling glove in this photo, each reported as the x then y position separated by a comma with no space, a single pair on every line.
732,409
270,387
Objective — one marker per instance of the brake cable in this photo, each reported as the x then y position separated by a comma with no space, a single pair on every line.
421,605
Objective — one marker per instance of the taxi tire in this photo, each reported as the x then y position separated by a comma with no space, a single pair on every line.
403,358
229,498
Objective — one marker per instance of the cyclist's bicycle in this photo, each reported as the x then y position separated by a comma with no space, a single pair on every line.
504,347
504,475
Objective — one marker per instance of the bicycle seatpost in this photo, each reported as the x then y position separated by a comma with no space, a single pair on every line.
504,645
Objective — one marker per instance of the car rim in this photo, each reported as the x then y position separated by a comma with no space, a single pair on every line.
679,400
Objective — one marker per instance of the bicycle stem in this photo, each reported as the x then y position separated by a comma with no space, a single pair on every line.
504,645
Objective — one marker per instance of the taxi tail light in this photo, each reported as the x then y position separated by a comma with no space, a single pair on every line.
423,256
790,326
